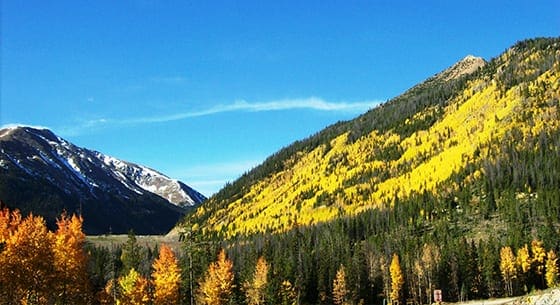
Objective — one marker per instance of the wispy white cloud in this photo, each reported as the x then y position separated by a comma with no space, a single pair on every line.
311,103
210,178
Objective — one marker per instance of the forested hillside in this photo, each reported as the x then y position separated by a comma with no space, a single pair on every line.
446,178
472,140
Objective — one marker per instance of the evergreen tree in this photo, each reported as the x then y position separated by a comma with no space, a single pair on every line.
131,256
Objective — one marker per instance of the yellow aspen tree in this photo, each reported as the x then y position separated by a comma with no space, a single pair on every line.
133,289
107,295
430,260
217,285
288,293
551,274
538,256
523,259
397,279
340,291
507,268
166,277
27,263
255,289
9,221
70,261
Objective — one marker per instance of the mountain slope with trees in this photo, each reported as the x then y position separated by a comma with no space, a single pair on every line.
471,139
454,185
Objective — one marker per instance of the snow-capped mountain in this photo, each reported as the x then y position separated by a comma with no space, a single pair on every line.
43,173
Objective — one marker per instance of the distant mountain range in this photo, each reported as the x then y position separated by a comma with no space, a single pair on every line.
45,174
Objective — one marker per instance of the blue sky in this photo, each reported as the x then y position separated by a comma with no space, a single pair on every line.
204,90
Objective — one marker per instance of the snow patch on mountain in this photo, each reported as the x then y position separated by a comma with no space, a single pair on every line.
90,169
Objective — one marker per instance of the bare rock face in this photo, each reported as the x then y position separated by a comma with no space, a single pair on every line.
45,174
467,65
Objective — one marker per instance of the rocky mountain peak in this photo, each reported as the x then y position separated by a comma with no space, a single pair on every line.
467,65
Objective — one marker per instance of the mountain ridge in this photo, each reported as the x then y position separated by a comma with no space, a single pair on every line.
435,137
79,176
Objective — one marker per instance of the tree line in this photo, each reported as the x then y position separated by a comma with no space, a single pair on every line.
38,266
311,265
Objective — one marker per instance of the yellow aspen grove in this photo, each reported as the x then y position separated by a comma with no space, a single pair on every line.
255,289
507,268
166,277
70,261
133,289
217,285
340,291
551,274
397,279
26,263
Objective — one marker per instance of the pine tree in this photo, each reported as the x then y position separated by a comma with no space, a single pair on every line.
551,274
507,268
217,285
256,288
340,291
166,277
131,255
397,279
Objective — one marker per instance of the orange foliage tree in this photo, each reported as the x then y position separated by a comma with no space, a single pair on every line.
133,289
42,267
217,285
340,291
26,263
166,277
256,288
70,261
